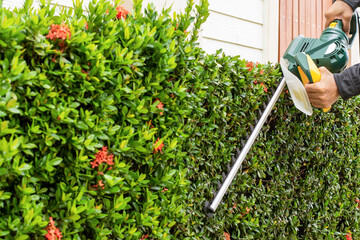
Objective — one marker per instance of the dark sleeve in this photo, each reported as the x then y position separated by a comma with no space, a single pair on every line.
352,3
348,81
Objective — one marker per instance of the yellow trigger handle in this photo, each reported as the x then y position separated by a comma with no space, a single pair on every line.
315,75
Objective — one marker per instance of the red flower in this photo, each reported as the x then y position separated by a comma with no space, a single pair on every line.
53,233
86,25
59,32
348,236
247,211
261,71
144,237
265,88
358,202
99,185
158,148
102,156
250,65
227,236
121,12
164,189
160,105
150,124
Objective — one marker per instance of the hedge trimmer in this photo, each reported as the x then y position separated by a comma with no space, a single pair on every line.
300,61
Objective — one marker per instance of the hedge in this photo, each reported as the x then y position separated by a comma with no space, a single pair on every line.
116,125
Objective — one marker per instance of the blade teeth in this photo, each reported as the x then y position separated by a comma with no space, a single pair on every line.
256,121
260,113
238,150
251,128
210,215
264,105
228,168
215,193
219,185
223,177
268,98
233,159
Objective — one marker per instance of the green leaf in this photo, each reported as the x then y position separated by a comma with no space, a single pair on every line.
22,237
127,33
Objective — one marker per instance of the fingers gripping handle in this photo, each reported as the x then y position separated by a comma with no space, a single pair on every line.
308,70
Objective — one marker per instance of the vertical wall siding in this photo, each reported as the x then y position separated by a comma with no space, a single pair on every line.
236,26
304,17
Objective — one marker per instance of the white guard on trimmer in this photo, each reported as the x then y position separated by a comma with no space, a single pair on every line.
296,88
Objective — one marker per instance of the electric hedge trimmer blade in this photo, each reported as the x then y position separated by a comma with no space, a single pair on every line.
211,207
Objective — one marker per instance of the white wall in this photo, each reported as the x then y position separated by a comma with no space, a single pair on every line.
12,3
239,27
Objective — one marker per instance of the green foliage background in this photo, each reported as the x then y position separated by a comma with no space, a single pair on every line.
57,109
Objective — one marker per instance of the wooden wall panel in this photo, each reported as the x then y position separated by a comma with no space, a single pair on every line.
295,20
304,17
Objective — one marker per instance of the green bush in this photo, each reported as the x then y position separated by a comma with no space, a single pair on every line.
118,126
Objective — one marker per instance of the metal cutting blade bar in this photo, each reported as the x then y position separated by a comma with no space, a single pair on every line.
225,185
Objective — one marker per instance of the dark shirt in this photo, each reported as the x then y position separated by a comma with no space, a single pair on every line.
348,81
352,3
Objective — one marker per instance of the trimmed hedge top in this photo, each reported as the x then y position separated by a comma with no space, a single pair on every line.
116,125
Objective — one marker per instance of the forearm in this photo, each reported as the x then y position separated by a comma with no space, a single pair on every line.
348,82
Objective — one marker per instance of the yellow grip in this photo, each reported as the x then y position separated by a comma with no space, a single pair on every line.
315,75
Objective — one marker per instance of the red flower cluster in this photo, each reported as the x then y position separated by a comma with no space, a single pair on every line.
247,211
144,237
121,12
348,236
160,106
358,202
53,233
159,148
99,185
250,66
227,236
59,32
265,88
102,156
262,84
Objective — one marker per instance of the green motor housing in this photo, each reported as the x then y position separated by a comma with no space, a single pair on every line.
330,50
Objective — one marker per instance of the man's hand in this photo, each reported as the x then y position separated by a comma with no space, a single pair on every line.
339,10
324,93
